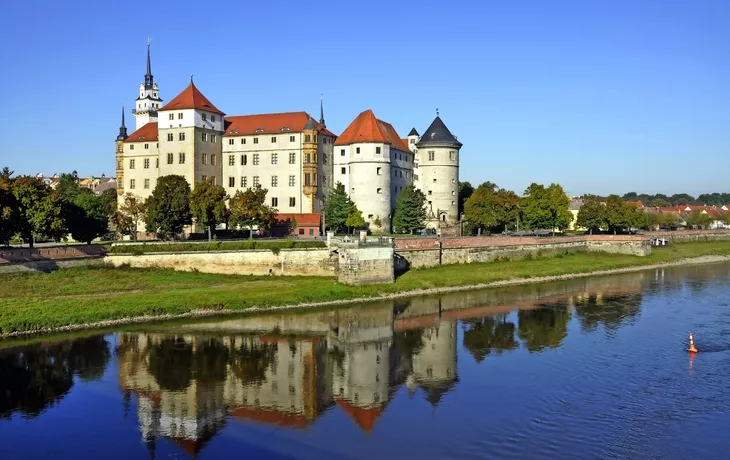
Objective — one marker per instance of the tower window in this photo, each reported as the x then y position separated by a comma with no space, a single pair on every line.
171,116
307,180
204,136
431,155
255,159
169,135
379,191
179,116
292,181
243,141
255,181
230,141
212,159
274,201
146,163
292,158
378,171
205,158
274,158
243,160
131,163
181,136
146,183
273,139
377,149
243,182
343,171
430,192
292,201
292,139
181,158
231,181
146,146
212,138
212,118
307,138
231,160
131,183
357,150
452,155
170,158
342,152
308,158
274,181
255,140
204,117
434,180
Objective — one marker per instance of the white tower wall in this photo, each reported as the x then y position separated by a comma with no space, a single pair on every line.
439,181
369,182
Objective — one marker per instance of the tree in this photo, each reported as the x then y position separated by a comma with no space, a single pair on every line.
168,208
338,207
491,208
465,191
132,211
8,207
87,217
546,208
699,219
248,209
660,203
109,198
592,215
543,327
618,214
40,211
68,187
354,219
410,211
208,204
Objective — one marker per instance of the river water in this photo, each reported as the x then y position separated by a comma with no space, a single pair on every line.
582,369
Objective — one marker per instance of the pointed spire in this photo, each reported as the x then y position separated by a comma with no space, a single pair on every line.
321,111
148,80
122,129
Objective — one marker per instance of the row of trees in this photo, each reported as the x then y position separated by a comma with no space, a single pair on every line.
709,199
493,209
31,209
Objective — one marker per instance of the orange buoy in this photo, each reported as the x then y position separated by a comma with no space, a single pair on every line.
692,348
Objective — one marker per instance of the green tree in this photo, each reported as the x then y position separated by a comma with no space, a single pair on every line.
248,209
354,219
410,211
544,327
87,217
660,203
337,208
8,207
618,214
68,187
109,198
592,215
546,208
699,219
168,208
208,204
491,208
132,211
465,191
40,211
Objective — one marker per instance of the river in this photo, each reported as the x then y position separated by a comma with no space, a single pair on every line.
581,369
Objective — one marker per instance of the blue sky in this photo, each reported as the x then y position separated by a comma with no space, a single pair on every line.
601,96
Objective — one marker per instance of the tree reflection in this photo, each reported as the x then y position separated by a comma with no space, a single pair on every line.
544,327
171,363
210,360
483,336
250,359
37,377
611,311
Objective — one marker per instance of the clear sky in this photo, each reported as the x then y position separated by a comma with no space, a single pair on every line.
601,96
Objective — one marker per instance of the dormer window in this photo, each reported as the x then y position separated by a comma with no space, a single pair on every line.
259,130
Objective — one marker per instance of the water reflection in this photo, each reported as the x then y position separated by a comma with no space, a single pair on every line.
187,382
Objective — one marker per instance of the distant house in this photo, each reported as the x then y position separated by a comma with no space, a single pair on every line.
575,204
307,225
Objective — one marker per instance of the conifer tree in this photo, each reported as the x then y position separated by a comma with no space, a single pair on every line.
410,211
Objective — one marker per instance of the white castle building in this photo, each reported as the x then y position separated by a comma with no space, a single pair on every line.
296,158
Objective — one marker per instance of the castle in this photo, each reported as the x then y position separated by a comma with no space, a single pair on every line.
292,155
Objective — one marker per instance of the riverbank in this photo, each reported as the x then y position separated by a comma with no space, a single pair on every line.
93,297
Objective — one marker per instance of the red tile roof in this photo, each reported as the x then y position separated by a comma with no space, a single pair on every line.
636,204
191,98
146,133
271,123
303,220
366,128
270,417
364,417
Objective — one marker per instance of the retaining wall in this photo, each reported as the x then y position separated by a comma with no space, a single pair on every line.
18,255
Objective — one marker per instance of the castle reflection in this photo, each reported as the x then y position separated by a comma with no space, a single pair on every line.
286,370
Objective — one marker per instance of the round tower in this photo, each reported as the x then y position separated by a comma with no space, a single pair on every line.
438,170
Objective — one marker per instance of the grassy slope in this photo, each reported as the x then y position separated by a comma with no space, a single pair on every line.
82,295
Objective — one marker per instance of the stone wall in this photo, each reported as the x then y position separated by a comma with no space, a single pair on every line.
310,262
365,265
47,266
19,255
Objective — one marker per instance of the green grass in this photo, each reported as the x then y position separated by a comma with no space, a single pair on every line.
215,246
82,295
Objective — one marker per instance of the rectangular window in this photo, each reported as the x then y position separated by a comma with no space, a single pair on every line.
413,141
274,201
377,149
179,116
307,138
204,116
311,232
169,135
230,141
307,179
181,158
171,116
342,152
292,181
243,141
212,118
308,158
274,158
181,136
131,164
231,181
231,160
324,159
292,202
452,155
146,163
146,146
212,138
291,138
377,171
301,231
157,163
204,136
169,158
274,181
244,182
255,159
315,138
273,139
212,158
255,140
434,180
205,158
255,181
431,155
119,164
292,158
131,147
131,183
146,184
357,150
243,160
379,191
343,170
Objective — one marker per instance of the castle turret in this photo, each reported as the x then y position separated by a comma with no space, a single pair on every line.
438,171
413,139
148,102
